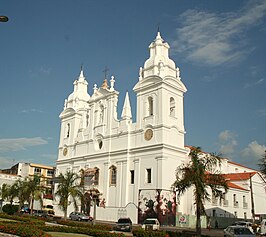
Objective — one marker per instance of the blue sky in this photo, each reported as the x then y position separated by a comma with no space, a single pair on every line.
218,45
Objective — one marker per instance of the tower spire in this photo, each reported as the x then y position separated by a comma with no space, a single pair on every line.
126,113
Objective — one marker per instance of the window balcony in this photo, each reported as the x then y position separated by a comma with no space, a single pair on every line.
236,204
225,203
48,196
214,201
245,205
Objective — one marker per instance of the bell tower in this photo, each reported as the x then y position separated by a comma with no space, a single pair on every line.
73,117
160,95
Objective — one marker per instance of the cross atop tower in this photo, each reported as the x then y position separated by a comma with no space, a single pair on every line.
105,72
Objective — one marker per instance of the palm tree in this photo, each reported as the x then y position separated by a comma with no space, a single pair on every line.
68,187
4,191
262,164
21,191
35,190
198,174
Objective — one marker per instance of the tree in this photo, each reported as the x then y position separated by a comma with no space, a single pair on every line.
4,192
35,190
198,174
262,164
68,187
21,191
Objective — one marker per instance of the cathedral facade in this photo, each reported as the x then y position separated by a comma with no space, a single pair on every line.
131,164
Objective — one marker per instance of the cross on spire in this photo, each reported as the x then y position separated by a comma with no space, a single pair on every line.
105,72
158,27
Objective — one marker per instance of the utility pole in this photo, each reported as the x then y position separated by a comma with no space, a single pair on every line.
252,200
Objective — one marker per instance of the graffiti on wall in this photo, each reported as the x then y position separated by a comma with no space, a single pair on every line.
157,203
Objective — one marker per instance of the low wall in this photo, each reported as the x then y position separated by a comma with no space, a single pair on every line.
114,213
189,221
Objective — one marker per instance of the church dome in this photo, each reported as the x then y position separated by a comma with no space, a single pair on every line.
159,63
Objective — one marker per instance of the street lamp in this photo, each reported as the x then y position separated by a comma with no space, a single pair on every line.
3,18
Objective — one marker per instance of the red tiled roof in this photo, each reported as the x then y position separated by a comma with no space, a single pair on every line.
232,185
234,163
239,176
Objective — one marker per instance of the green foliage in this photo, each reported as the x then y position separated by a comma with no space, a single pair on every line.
80,230
68,187
84,224
22,229
143,233
28,226
10,209
262,164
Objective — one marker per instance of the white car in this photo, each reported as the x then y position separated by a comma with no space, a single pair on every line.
151,224
238,231
263,227
245,224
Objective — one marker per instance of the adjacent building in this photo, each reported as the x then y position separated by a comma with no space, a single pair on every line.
23,170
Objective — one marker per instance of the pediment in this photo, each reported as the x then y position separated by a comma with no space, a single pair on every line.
176,83
67,112
151,80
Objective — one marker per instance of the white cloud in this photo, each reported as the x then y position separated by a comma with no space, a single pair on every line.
40,71
262,112
31,111
256,83
49,157
214,39
227,143
17,144
253,152
6,162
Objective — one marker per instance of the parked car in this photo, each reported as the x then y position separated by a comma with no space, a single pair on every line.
40,213
151,224
263,227
238,231
49,209
25,209
244,224
123,224
77,216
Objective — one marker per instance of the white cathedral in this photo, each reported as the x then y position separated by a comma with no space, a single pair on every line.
132,164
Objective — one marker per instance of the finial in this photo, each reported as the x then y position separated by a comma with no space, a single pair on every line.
94,88
105,84
112,83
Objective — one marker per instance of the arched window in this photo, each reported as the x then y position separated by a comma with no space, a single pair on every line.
172,107
101,114
150,108
67,130
113,174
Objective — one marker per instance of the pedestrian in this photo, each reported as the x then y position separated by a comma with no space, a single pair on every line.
209,224
216,224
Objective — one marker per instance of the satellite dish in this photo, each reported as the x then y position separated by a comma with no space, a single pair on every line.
3,18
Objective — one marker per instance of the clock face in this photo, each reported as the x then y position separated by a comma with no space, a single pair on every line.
65,151
148,134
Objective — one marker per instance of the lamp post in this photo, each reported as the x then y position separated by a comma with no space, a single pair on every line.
3,18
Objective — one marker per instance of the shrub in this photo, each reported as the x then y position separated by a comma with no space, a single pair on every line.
23,230
10,209
85,224
27,218
143,233
80,230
